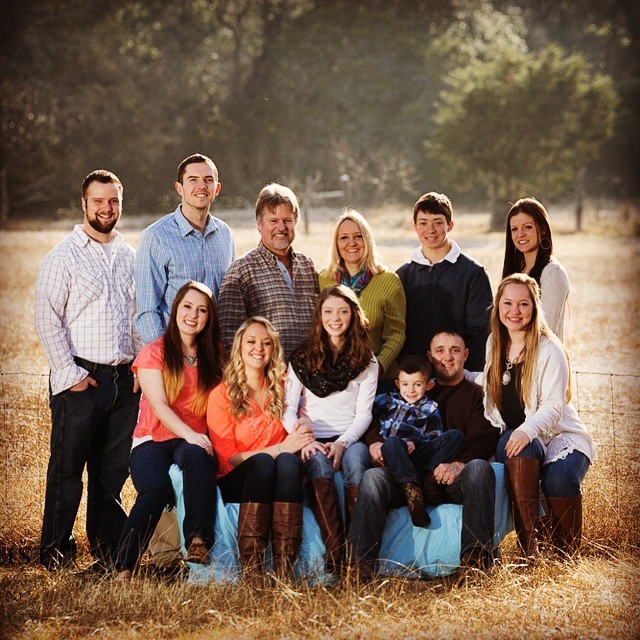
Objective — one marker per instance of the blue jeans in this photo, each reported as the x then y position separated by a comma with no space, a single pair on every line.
354,463
474,489
406,467
150,463
89,428
263,479
559,479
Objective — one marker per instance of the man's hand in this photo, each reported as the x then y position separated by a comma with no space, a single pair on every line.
84,384
446,473
375,452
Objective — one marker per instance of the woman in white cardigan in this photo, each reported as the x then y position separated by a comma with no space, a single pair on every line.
529,249
527,392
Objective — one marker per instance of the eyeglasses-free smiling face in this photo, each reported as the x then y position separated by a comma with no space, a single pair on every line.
193,313
336,317
412,386
515,307
448,354
524,233
277,229
351,245
199,186
432,230
102,206
257,347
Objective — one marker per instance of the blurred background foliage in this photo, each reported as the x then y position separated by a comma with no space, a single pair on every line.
484,100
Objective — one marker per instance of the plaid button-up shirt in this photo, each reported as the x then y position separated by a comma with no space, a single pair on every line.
170,253
85,306
255,285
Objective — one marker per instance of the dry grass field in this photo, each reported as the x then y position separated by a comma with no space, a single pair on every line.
592,596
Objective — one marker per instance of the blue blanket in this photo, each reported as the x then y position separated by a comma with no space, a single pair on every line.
406,550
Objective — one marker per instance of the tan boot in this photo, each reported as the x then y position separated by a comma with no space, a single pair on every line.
523,481
415,501
566,523
286,529
323,495
254,522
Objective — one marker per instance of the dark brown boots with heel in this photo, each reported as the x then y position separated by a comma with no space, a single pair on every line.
566,523
254,524
523,480
325,502
286,536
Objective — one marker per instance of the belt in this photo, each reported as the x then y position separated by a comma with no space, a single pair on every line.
95,367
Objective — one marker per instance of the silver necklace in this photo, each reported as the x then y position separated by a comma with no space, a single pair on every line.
190,360
506,376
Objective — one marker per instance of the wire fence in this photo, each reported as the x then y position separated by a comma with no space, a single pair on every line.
608,404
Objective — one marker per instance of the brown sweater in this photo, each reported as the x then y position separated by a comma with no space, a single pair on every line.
461,408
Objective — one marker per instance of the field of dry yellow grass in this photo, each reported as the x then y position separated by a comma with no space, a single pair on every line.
592,596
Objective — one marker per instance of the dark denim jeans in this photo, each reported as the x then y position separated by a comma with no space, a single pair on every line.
89,428
263,479
474,489
412,467
150,463
559,479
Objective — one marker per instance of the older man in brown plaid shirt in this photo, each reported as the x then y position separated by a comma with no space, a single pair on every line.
271,280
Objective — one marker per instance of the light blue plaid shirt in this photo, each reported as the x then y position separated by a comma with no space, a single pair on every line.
170,253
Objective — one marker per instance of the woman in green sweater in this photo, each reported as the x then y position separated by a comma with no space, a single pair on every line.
354,262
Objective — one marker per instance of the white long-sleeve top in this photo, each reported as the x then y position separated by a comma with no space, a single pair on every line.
548,416
554,293
344,415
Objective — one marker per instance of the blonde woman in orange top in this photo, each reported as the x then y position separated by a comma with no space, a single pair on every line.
258,465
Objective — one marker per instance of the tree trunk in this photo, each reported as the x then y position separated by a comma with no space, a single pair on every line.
4,197
497,216
579,196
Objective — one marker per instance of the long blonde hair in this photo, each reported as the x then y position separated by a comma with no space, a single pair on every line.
236,378
371,259
500,343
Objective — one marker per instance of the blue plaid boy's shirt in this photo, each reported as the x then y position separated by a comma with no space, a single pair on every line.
418,422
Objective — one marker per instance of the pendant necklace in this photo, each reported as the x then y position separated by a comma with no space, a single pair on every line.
190,360
506,376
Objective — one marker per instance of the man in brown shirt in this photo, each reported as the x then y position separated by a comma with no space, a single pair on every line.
469,480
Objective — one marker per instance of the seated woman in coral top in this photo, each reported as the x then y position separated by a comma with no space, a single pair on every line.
176,372
259,467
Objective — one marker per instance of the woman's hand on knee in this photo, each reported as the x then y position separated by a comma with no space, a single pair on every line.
516,443
311,450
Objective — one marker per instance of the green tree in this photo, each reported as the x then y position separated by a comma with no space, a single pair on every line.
522,120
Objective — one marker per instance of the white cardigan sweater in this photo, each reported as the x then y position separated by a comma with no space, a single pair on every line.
548,416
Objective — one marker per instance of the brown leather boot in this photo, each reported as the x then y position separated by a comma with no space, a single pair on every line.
415,501
323,495
566,523
286,530
350,496
254,522
523,481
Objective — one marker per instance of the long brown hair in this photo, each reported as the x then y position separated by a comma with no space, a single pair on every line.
236,378
514,259
500,343
357,349
209,351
